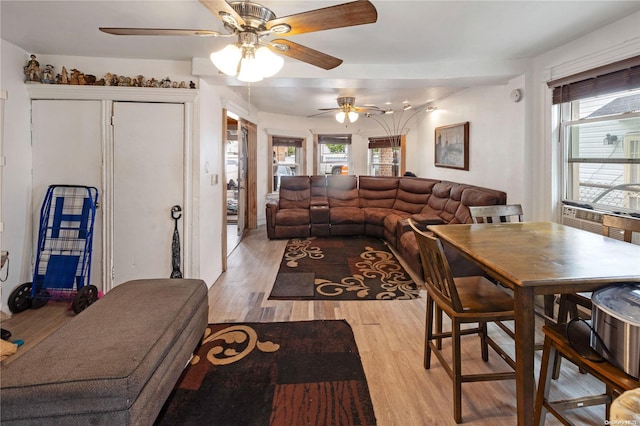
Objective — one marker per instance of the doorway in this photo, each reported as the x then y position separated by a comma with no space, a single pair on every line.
234,171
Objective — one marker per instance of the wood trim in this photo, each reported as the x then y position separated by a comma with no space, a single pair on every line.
269,162
252,174
223,146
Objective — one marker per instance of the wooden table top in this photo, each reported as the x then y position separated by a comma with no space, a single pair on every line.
542,253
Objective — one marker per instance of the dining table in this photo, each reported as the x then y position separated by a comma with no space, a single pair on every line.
540,258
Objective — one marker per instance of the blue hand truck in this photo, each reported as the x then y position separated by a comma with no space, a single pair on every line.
63,260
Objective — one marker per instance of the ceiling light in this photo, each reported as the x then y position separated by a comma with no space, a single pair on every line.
246,61
346,114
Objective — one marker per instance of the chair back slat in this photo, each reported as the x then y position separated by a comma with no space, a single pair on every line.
437,272
497,213
628,225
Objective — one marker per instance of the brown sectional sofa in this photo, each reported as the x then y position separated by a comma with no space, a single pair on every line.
375,206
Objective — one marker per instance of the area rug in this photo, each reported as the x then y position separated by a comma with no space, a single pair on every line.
347,268
283,373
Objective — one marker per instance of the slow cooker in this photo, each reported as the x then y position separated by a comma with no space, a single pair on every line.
615,317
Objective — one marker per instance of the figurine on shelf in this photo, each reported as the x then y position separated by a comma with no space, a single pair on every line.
32,70
64,76
192,85
183,85
47,75
77,78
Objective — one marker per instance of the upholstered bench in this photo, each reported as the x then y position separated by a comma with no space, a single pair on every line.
113,364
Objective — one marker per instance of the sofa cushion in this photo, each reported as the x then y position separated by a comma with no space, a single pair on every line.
295,192
413,194
346,215
293,217
377,191
342,191
319,191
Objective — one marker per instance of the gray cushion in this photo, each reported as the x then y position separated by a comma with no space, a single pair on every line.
95,367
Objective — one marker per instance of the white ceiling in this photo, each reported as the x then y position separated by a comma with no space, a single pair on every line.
417,51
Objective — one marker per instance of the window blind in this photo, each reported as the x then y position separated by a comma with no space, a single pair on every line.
383,142
283,141
614,77
334,139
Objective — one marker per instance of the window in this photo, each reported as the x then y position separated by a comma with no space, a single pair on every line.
599,115
601,140
288,157
334,154
386,158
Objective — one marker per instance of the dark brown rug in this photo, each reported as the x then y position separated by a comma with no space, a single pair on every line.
283,373
347,268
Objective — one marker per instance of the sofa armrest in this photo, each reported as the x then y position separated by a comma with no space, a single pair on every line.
423,219
271,212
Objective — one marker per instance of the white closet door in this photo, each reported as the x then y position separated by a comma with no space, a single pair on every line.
66,140
148,179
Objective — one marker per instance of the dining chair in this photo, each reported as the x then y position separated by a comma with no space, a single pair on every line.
576,349
465,300
497,213
511,213
569,303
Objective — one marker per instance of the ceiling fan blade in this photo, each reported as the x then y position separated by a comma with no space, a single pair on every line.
304,54
368,109
328,109
338,16
323,112
159,32
225,12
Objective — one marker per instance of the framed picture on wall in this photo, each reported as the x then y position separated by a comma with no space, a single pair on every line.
452,146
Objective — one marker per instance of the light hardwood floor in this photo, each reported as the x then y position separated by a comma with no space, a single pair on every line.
389,335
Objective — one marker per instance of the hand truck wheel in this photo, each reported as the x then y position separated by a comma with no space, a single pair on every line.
85,297
38,302
20,298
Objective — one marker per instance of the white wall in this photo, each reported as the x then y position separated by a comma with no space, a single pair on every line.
210,192
16,182
496,138
611,43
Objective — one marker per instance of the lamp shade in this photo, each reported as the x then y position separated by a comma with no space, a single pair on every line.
341,116
226,60
353,116
246,62
268,62
249,69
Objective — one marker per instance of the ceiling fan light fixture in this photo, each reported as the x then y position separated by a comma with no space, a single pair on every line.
268,62
353,116
227,59
249,69
340,116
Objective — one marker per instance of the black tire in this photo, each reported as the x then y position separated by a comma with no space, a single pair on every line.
20,298
38,302
85,297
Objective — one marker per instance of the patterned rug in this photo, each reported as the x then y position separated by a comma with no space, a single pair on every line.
348,268
285,373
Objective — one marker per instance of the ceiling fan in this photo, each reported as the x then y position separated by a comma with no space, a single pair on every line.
347,109
252,23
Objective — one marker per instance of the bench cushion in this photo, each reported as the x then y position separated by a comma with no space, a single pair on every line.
114,363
